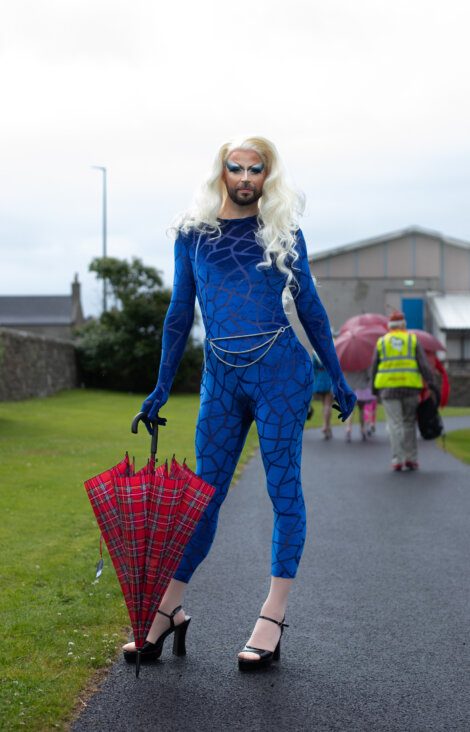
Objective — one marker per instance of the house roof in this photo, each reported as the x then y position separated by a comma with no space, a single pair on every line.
452,312
36,310
409,231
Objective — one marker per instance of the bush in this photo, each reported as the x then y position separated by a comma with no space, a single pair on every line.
121,349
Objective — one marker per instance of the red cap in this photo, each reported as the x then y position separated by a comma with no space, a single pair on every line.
396,319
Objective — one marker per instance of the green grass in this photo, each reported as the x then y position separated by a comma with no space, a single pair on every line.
59,627
455,411
458,444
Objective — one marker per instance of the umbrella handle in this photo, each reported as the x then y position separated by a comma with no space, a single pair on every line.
151,425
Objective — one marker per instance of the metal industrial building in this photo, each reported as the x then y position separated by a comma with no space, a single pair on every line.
421,272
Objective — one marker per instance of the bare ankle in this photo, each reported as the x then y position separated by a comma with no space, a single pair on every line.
273,610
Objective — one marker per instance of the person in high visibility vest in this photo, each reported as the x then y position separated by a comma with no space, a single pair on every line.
399,371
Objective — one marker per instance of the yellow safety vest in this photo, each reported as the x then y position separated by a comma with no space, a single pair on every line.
398,366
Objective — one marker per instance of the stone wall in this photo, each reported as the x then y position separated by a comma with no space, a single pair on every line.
62,332
34,365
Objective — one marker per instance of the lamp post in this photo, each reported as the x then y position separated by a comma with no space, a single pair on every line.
105,233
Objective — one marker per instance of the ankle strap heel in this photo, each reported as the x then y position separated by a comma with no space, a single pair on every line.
280,623
265,657
152,651
179,640
277,652
171,615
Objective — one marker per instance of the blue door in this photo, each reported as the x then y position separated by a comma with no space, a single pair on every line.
413,309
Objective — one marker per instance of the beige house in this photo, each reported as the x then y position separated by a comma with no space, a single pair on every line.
414,270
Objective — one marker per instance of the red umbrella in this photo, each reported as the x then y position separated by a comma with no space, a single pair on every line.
429,343
147,520
445,385
364,319
356,346
146,504
102,497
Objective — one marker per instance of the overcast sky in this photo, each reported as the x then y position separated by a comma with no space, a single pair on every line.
368,102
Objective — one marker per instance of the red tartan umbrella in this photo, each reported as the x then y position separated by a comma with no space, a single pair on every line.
356,346
102,497
364,319
146,520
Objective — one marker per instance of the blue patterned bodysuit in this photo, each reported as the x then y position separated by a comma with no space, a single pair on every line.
237,298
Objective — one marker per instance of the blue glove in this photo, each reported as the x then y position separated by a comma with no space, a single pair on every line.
176,328
346,399
152,404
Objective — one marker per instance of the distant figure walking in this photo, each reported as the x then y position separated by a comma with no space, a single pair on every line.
322,390
370,414
359,381
399,371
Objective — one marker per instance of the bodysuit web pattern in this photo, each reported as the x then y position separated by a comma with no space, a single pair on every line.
271,383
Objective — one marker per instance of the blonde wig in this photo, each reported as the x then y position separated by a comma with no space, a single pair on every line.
280,206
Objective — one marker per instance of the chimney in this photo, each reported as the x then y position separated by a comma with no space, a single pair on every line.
77,312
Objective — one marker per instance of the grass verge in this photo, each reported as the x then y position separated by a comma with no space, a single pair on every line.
458,444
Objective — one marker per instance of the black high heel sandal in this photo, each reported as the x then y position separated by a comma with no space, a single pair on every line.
265,657
153,651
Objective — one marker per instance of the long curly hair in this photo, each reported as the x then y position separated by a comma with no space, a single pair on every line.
280,206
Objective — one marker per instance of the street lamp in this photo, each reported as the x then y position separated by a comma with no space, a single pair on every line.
103,170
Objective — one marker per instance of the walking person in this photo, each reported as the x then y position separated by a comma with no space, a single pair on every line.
322,391
399,371
360,382
370,411
236,251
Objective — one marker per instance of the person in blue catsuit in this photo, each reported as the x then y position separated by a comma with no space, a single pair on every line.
236,250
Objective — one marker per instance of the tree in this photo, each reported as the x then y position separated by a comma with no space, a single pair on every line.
121,349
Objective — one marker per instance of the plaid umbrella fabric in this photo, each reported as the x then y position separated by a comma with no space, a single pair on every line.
147,505
146,520
101,494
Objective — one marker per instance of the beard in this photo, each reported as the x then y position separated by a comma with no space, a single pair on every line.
244,195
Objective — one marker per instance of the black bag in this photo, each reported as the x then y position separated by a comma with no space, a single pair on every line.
430,422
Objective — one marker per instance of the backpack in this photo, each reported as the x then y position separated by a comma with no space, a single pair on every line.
430,422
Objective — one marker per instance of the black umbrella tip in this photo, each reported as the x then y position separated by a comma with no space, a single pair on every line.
137,665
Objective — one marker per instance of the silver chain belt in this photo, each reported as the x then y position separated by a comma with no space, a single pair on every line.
269,343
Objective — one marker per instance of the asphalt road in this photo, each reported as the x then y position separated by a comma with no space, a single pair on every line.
379,626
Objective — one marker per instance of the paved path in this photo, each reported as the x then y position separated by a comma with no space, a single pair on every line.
379,627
